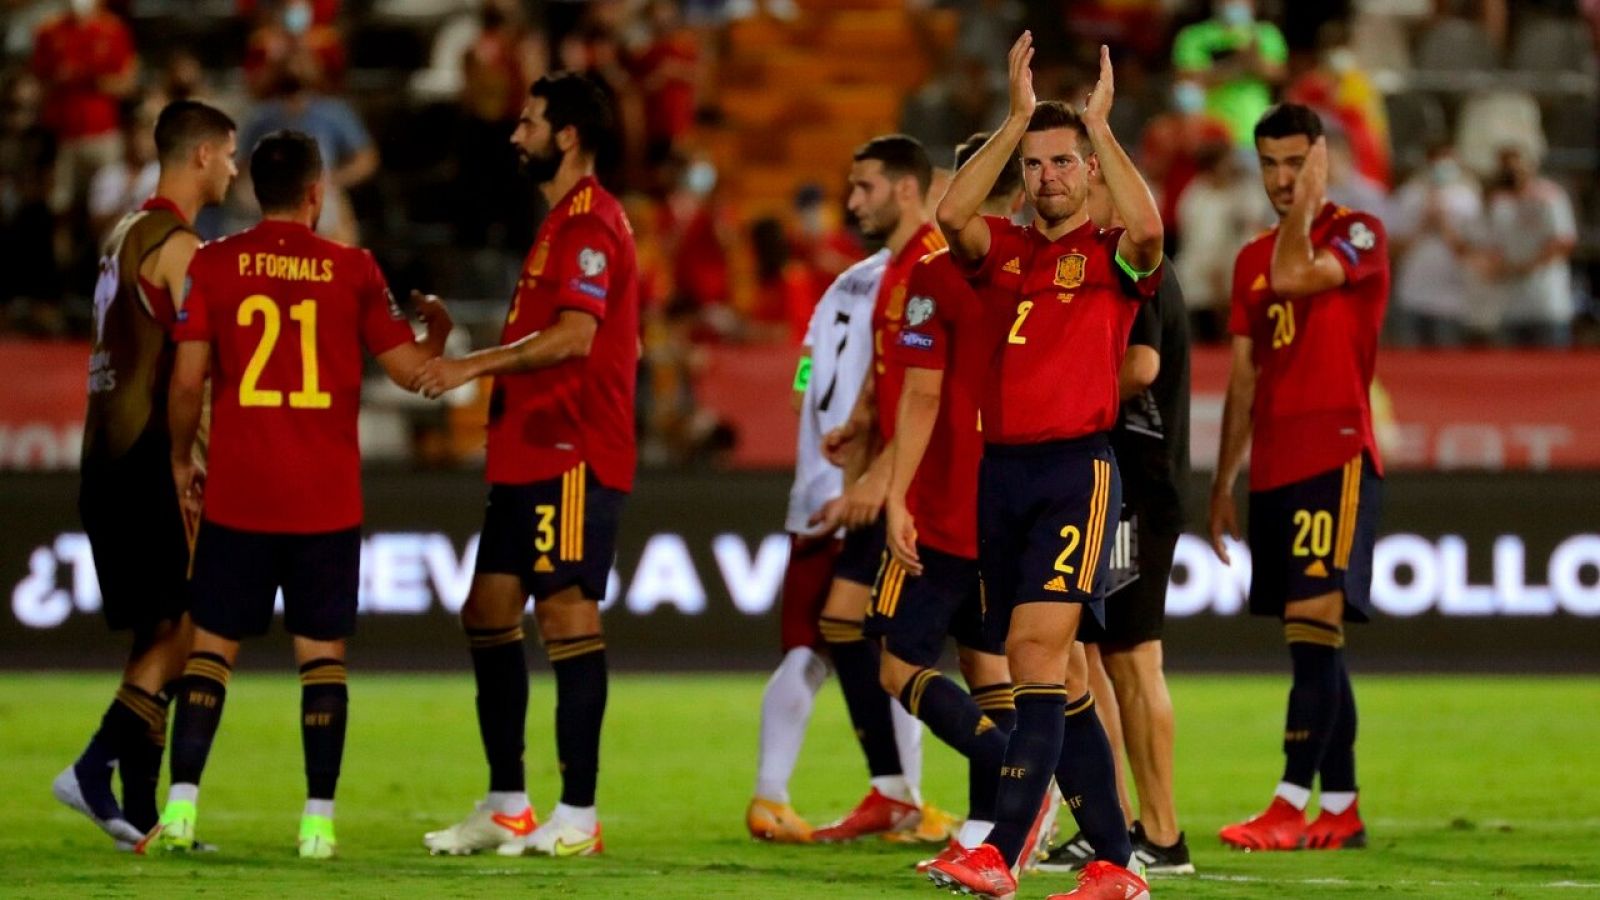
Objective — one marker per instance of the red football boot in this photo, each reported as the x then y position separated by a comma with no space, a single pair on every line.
876,814
950,851
1337,831
981,871
1101,880
1281,827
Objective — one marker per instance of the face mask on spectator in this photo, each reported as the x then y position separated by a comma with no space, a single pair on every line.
1444,171
84,7
297,18
1237,13
1188,97
701,178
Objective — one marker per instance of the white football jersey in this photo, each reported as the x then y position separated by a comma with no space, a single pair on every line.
840,338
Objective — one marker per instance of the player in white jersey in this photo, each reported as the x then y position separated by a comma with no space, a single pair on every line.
833,364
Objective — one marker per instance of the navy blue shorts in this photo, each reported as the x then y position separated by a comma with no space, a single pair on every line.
553,534
237,575
1316,537
915,613
130,513
862,554
1047,515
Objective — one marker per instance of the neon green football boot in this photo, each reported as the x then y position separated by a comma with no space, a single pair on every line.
316,837
174,833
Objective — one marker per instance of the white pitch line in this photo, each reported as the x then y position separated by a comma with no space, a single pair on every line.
1346,882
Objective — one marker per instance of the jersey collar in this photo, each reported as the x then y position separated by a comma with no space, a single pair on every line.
577,186
156,201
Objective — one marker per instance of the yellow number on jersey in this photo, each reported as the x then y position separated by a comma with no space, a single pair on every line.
1318,526
1023,309
1282,316
305,313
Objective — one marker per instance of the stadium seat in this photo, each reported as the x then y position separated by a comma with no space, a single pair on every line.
1491,119
1416,119
1455,45
1548,44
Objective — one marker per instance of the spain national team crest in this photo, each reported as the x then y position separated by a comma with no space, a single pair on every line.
1069,270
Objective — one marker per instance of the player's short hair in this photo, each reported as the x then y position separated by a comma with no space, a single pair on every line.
1048,115
575,100
901,155
1287,120
283,165
1007,183
184,124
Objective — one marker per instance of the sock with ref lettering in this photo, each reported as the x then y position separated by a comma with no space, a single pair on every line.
1087,776
324,716
1030,761
1315,649
202,691
954,717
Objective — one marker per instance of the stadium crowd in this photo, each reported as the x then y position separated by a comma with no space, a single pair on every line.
1467,125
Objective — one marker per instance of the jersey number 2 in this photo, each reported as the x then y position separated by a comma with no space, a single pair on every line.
1023,309
304,312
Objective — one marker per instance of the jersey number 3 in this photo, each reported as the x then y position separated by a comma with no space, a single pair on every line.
305,313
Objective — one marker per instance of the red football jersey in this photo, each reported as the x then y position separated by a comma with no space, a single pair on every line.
545,421
887,313
945,328
1314,355
287,314
1067,314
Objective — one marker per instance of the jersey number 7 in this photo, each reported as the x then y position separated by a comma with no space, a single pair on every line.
305,313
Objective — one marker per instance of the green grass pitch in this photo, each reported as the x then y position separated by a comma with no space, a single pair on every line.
1480,787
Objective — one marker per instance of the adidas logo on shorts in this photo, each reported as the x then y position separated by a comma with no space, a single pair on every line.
1057,584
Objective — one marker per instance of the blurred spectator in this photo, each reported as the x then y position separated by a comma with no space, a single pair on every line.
30,292
349,156
496,68
1170,146
595,48
785,291
667,70
85,58
1347,185
700,236
287,29
120,187
1238,58
962,98
182,78
1139,26
1491,120
1222,208
820,242
1429,217
1338,88
1528,240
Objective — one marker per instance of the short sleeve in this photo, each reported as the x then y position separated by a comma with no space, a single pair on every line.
193,320
350,135
1003,242
1147,325
383,325
1239,307
1361,246
932,308
1270,43
582,255
1563,225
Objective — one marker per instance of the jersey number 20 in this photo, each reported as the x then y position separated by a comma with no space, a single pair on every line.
305,313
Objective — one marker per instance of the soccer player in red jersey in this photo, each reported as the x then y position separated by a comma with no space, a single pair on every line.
560,462
889,181
127,500
278,317
1049,492
1308,302
929,589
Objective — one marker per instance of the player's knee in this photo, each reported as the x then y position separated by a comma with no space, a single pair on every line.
894,672
846,600
980,669
1036,658
567,615
495,601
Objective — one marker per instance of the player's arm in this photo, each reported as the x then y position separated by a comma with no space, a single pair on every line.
1139,250
1299,269
186,395
866,473
1140,366
1236,423
168,269
960,214
915,417
571,337
802,378
404,363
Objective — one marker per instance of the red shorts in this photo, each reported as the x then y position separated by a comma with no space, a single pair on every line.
805,589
